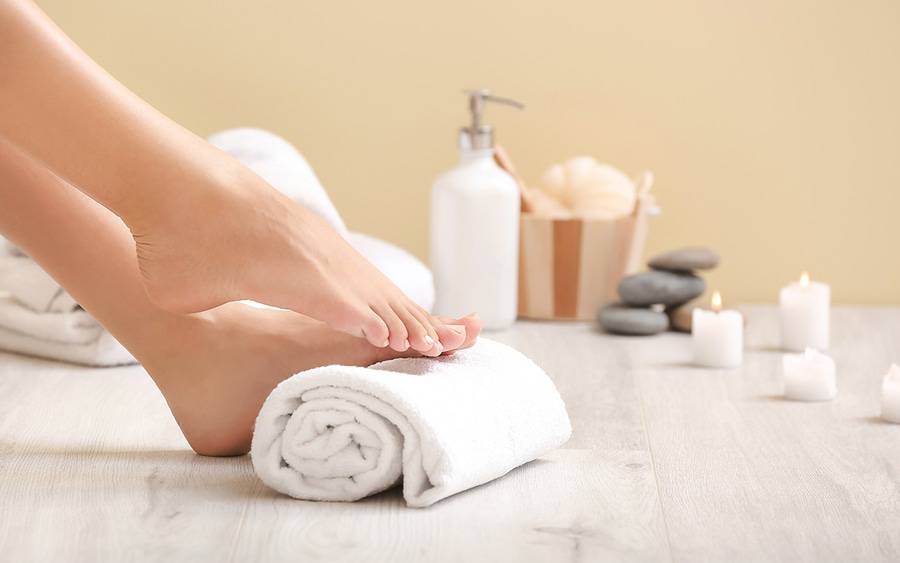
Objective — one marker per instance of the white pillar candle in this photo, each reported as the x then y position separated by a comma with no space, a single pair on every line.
805,309
718,336
809,376
890,395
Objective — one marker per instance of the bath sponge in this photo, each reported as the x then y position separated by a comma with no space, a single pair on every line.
590,189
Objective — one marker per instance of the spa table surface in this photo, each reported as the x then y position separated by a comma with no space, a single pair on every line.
667,462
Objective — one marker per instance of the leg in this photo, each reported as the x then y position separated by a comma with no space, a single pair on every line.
214,368
208,230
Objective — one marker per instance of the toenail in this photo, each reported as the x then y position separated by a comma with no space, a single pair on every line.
384,344
429,340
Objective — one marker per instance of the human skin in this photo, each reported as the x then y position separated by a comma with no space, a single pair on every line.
206,229
214,368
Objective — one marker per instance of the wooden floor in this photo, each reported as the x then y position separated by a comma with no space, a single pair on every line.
667,463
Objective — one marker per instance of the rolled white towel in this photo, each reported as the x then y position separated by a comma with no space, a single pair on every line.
445,425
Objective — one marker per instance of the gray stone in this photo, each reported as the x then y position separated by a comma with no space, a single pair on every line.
682,318
634,321
685,259
667,288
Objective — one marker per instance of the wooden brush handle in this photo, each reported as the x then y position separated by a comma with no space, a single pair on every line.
503,161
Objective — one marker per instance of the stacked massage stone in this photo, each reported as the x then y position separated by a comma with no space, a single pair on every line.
652,301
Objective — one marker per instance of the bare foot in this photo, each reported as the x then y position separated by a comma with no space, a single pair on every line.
235,237
217,374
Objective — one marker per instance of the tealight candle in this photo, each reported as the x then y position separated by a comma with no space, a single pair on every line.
804,315
809,376
718,336
890,395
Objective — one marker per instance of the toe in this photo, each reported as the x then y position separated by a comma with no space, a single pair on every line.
375,330
426,320
398,335
355,319
472,325
419,338
451,335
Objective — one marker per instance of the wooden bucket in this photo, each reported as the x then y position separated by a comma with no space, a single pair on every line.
569,268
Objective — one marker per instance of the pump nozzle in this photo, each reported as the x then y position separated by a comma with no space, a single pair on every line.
479,136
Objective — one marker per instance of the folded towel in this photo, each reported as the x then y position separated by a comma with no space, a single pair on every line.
73,327
444,425
74,337
21,277
39,318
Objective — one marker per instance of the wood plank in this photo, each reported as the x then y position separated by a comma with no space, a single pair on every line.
744,474
536,263
715,464
589,369
93,468
572,505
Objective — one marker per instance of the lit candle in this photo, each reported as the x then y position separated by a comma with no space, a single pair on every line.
809,376
718,336
805,308
890,395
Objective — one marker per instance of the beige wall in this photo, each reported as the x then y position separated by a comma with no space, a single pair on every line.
773,127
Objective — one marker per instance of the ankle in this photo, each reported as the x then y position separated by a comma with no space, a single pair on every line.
168,339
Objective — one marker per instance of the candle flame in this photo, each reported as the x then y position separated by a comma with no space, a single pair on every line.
804,279
717,302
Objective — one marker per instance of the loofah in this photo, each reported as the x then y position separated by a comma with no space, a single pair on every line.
587,189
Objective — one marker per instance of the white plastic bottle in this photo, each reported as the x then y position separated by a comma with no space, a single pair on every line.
475,229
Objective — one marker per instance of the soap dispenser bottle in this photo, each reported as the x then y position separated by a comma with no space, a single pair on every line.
475,210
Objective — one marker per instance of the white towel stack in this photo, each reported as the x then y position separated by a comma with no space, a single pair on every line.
39,318
442,425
